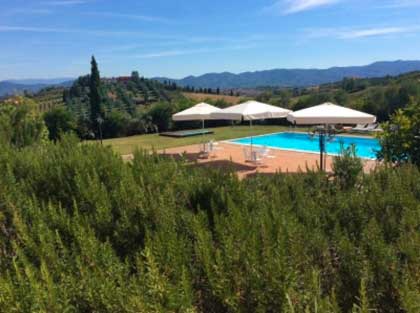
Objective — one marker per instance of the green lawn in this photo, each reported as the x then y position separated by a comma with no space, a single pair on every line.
127,145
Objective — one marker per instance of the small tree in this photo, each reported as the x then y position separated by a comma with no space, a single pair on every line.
58,122
400,141
347,167
20,127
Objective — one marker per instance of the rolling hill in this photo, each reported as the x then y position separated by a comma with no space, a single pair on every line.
15,87
41,81
295,77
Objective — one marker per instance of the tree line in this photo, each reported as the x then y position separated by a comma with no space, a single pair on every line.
107,108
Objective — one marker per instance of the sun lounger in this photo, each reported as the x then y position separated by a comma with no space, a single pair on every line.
214,145
374,128
359,127
371,127
266,153
367,128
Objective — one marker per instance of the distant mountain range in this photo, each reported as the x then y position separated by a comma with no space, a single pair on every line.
13,87
295,77
268,78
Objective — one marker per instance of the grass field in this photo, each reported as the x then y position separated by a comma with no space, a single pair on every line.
205,96
128,145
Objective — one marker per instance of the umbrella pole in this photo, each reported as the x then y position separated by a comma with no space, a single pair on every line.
321,150
203,135
322,134
250,125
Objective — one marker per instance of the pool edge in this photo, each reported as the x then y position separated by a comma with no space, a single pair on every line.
230,141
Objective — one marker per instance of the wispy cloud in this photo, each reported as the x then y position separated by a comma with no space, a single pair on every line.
160,39
33,29
169,53
64,2
395,4
43,8
297,6
355,33
5,29
373,32
140,17
28,11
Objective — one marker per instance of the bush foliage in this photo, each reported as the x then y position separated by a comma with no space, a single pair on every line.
400,140
20,126
82,231
347,167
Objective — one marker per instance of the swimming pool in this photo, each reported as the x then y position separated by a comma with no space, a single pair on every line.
365,147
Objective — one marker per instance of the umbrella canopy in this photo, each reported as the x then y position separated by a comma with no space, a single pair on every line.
199,112
329,113
250,110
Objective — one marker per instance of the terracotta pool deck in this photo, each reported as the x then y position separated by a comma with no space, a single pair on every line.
231,155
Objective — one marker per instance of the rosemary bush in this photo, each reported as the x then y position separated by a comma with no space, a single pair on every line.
82,231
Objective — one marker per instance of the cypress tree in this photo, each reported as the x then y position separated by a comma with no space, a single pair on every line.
96,110
135,77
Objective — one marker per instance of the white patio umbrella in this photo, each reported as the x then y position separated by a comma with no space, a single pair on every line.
199,112
328,114
250,111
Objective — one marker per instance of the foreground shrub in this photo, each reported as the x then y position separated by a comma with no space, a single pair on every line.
20,126
82,231
347,167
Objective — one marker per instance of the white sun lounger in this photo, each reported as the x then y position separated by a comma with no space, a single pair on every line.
367,128
360,127
266,153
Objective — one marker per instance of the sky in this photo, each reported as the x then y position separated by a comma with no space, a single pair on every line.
56,38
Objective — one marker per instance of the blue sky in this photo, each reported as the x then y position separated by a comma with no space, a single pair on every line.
55,38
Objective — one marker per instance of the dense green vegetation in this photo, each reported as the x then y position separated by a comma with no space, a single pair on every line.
124,106
49,98
82,231
379,96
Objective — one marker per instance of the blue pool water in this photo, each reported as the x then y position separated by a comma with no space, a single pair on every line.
365,147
